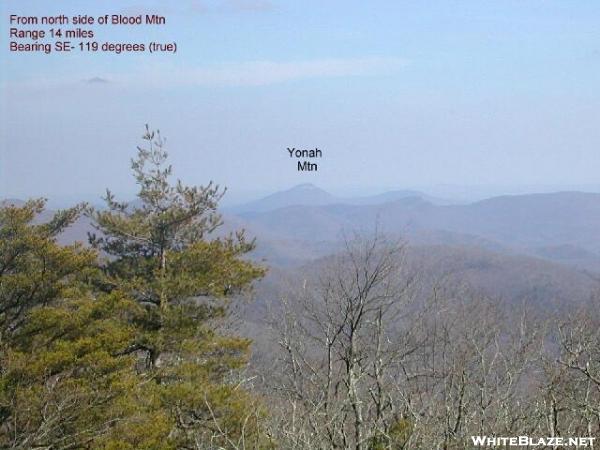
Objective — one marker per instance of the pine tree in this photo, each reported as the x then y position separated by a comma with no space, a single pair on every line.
33,268
62,384
160,251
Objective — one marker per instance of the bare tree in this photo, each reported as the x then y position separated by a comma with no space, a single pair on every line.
366,363
341,339
571,395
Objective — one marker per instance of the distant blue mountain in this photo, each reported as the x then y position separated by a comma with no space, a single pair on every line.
310,195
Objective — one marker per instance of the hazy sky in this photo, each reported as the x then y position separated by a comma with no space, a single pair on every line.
396,94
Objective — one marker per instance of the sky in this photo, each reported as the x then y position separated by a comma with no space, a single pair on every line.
438,95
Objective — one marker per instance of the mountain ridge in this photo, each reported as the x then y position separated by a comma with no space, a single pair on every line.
307,194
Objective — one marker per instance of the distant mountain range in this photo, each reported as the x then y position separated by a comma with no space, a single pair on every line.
306,222
310,195
543,248
563,226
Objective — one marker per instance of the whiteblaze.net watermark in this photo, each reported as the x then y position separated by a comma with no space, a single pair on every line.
528,441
